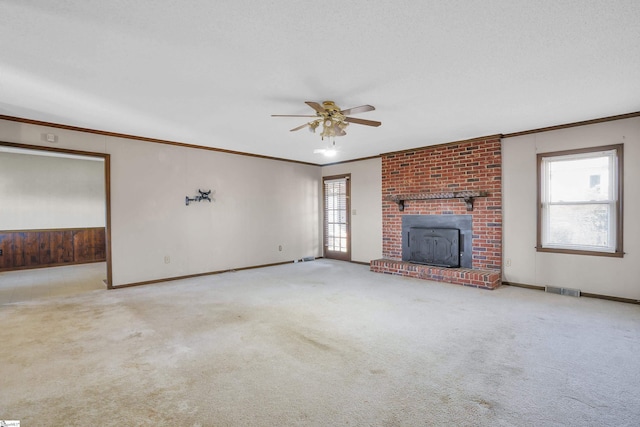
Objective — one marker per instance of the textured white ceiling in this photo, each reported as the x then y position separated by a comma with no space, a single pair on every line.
211,73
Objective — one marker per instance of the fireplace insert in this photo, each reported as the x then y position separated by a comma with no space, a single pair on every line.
439,240
434,246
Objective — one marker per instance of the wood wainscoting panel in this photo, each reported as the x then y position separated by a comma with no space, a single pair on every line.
31,249
47,248
44,248
4,246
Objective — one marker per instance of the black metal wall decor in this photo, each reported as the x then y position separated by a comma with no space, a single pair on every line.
204,195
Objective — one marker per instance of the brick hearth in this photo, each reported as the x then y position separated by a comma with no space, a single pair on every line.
472,166
486,279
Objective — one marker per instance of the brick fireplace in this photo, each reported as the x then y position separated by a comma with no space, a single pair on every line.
462,178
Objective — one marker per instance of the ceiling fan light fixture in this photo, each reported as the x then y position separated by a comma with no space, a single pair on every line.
333,119
313,126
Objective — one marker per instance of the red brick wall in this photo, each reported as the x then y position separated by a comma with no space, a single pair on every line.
470,165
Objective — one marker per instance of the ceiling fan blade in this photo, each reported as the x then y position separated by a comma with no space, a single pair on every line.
356,110
299,127
362,122
315,106
291,115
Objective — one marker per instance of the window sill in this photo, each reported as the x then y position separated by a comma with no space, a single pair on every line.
580,252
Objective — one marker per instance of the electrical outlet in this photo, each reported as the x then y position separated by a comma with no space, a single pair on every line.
507,262
280,248
167,259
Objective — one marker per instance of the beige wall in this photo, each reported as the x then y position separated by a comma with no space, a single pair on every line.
41,192
619,277
366,206
260,204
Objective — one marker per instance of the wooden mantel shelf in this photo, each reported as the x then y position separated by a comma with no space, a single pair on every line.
467,196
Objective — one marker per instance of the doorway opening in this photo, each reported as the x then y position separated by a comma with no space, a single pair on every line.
56,228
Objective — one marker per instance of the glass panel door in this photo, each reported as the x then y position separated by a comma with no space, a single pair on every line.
337,239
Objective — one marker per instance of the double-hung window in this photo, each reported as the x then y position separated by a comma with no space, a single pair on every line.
580,201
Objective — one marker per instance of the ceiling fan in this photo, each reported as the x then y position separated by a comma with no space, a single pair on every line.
334,120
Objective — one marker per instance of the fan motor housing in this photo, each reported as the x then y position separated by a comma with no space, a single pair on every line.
330,106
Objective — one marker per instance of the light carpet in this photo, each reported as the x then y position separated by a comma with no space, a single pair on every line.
316,344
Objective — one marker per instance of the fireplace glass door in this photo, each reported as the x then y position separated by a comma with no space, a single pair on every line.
337,241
